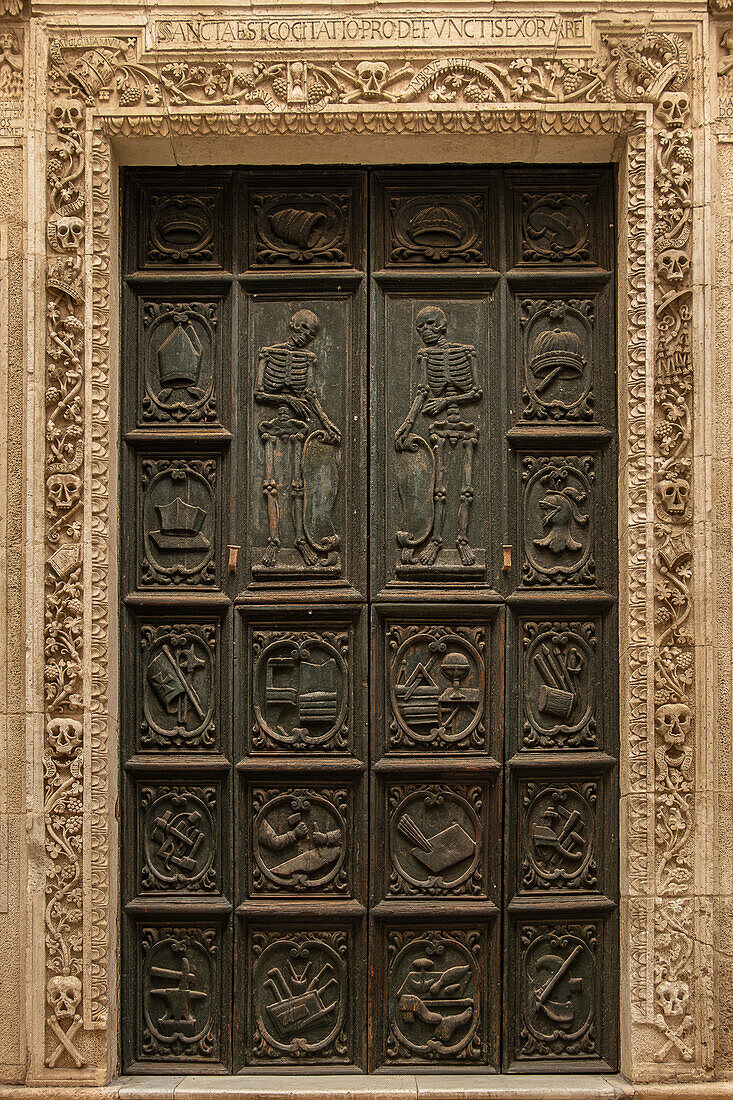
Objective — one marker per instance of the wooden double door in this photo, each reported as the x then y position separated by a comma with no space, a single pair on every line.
369,657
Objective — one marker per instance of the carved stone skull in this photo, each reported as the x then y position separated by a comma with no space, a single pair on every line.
65,232
673,107
64,994
65,734
673,264
674,722
674,996
674,493
372,76
63,491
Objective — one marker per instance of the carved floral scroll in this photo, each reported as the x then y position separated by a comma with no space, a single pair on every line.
633,81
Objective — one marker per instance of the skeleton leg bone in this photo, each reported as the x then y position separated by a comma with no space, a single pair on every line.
66,1042
297,492
674,1039
430,554
465,552
269,488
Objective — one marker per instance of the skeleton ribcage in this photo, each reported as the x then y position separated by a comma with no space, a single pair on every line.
449,368
285,369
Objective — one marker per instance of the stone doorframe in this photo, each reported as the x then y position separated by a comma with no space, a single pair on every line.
103,98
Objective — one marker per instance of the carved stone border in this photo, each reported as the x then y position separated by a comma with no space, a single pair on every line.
635,86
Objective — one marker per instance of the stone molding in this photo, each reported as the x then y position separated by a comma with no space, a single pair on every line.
636,85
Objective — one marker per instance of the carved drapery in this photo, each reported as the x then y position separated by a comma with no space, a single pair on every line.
636,86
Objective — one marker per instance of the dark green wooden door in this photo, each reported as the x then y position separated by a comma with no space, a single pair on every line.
369,669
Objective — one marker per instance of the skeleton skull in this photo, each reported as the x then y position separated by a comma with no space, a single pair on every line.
65,232
674,996
64,993
63,490
674,493
674,721
304,327
431,323
673,107
372,76
64,734
673,264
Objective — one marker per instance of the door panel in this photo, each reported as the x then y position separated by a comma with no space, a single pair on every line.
341,846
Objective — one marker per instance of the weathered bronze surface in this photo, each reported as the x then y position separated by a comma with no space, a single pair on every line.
370,780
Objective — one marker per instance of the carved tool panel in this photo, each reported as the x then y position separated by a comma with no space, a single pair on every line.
369,720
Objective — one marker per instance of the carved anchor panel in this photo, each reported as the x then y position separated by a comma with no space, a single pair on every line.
558,520
179,673
558,991
180,1017
179,522
301,693
557,228
179,362
300,228
299,995
184,230
559,685
558,835
436,449
436,682
437,840
434,997
300,372
436,228
301,840
179,828
557,377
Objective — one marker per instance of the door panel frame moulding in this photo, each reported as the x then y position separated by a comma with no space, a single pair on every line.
104,94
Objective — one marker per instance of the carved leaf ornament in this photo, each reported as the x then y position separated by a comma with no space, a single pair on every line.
455,93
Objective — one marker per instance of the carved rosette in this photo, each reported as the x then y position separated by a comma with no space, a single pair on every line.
557,95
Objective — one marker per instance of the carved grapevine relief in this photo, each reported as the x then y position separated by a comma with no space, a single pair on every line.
434,996
558,380
301,690
559,685
180,672
106,73
301,840
558,517
300,996
436,687
436,840
178,520
179,832
301,457
448,386
439,229
301,229
179,983
558,836
179,363
559,991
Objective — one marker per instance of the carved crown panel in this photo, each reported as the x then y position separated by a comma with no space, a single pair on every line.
185,228
436,228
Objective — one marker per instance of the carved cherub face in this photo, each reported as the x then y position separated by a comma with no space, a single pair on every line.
303,327
431,323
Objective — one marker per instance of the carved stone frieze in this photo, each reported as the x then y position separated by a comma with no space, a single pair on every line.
636,85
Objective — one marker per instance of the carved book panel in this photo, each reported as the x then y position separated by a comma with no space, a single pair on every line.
303,383
437,839
433,439
436,228
302,990
440,1003
303,839
301,681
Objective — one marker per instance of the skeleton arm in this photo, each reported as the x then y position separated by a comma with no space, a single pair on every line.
333,435
280,396
402,434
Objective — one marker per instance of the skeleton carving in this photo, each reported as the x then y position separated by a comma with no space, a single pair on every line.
673,107
64,994
65,232
286,379
673,264
448,379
